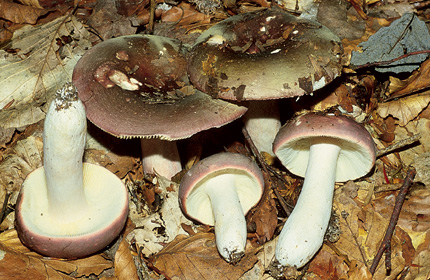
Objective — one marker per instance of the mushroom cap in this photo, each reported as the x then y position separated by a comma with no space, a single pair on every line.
265,54
357,155
249,183
137,86
106,196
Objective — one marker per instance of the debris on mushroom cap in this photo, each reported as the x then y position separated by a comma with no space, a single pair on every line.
267,54
358,151
249,183
38,231
137,86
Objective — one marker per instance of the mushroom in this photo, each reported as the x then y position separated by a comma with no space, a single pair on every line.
137,86
260,57
66,208
219,190
323,149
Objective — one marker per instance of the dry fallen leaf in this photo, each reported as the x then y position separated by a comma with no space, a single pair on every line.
196,257
404,109
17,262
414,83
19,161
18,13
125,268
38,61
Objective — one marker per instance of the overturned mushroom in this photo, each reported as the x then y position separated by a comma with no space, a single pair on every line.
69,209
264,55
137,86
323,149
218,191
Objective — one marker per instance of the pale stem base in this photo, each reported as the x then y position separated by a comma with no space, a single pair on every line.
161,156
230,223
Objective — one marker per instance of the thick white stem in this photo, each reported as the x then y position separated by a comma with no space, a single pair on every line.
230,223
161,156
304,230
262,123
64,138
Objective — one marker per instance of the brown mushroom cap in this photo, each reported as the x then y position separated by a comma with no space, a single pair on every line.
357,155
249,184
39,231
266,54
137,86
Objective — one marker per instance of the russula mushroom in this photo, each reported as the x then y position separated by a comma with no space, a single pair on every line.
137,86
219,190
66,208
264,55
323,149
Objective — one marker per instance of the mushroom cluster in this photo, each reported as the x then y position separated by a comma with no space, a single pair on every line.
156,89
137,86
260,57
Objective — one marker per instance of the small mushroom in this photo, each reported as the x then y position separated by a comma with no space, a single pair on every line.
137,86
66,208
219,190
260,57
323,149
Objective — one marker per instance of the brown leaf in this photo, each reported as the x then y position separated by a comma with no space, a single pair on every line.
196,257
18,13
404,109
125,269
358,271
265,219
27,260
328,266
416,82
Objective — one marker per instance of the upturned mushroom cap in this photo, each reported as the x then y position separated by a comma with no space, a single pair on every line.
267,54
248,180
357,155
137,86
108,201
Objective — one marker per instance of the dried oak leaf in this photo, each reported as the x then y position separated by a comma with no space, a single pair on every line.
327,265
17,262
125,268
363,229
405,109
196,257
18,13
416,82
38,61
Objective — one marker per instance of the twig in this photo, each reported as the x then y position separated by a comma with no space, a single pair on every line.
257,154
386,62
386,243
397,145
3,209
344,215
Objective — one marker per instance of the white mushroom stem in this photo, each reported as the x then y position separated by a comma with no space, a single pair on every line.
262,123
230,223
161,156
304,230
64,138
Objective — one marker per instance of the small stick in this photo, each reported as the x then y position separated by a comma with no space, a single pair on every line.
257,154
386,243
397,145
4,207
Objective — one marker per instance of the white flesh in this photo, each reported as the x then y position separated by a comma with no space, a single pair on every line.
230,223
304,230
